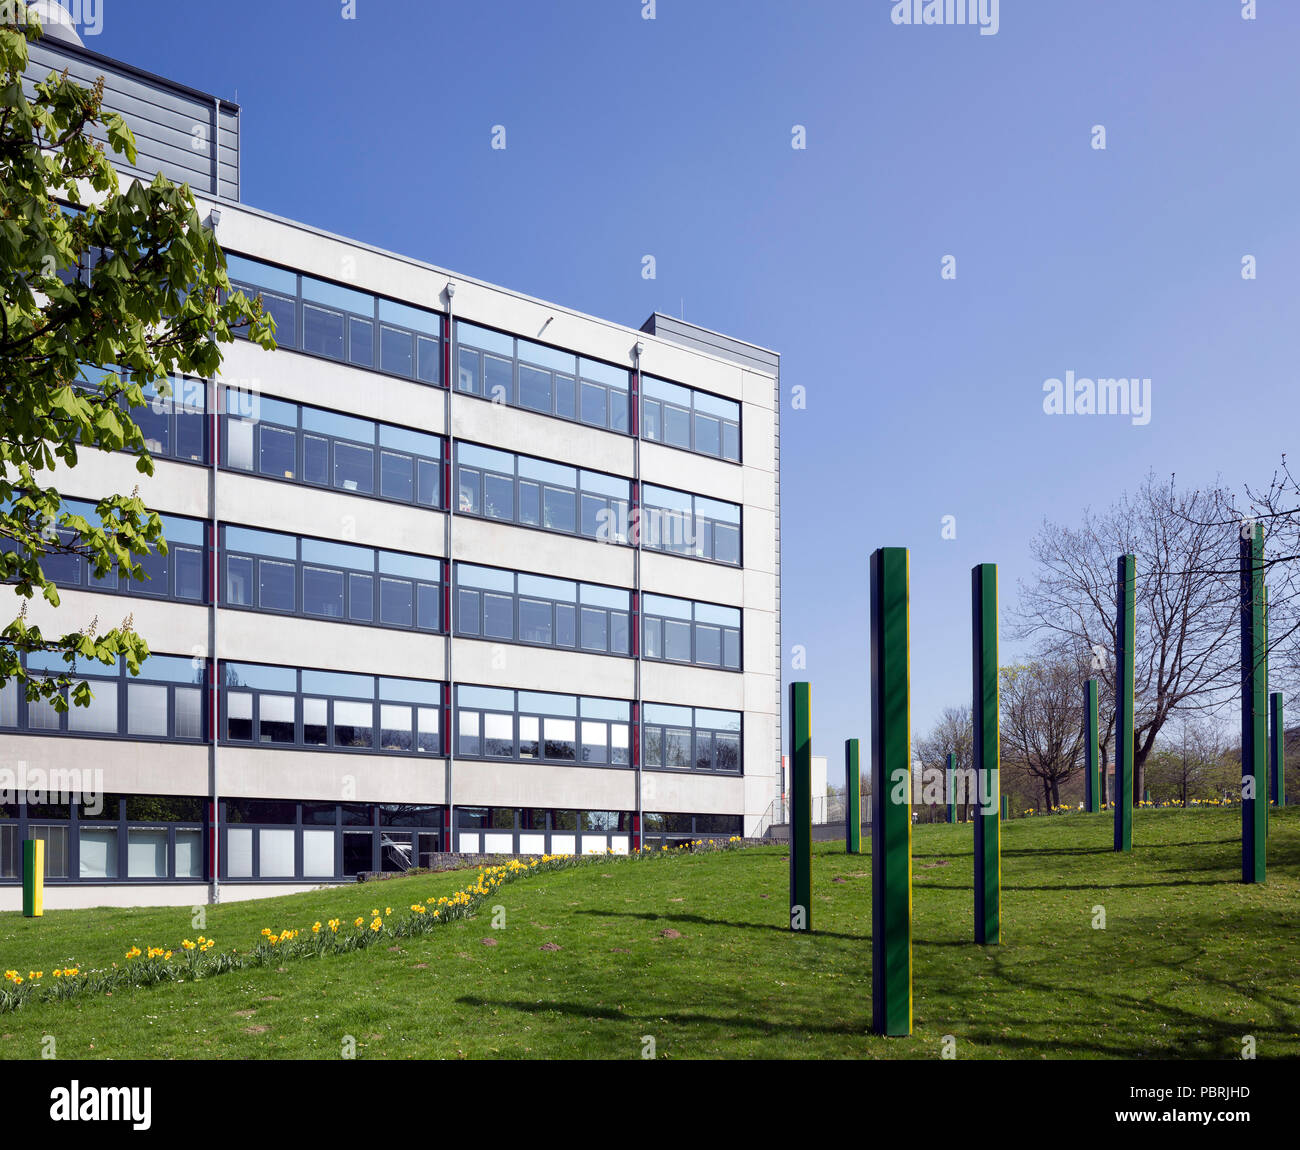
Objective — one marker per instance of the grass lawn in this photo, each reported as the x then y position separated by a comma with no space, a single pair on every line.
695,952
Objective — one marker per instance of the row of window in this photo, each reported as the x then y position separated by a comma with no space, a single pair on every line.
180,575
535,609
327,710
267,571
154,838
166,701
290,441
330,710
340,323
365,330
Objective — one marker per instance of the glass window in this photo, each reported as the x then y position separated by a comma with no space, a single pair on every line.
315,722
354,468
361,342
239,716
395,727
498,617
354,724
318,853
708,645
593,405
361,598
559,738
146,710
467,726
276,591
322,592
277,456
396,476
239,852
395,348
560,510
98,852
534,388
276,718
499,735
146,852
535,621
189,853
275,848
396,602
595,629
322,331
677,748
101,716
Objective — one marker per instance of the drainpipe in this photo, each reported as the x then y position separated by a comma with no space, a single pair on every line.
638,631
449,613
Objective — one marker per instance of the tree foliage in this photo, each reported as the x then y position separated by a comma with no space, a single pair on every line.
92,276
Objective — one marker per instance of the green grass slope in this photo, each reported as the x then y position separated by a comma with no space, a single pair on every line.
693,953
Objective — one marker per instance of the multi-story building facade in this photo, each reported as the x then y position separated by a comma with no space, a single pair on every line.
452,569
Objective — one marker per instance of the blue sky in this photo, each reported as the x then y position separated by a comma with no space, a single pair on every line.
672,137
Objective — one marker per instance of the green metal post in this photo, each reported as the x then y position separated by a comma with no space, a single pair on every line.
800,807
1125,638
986,748
853,797
1091,748
951,783
1254,711
891,783
1277,752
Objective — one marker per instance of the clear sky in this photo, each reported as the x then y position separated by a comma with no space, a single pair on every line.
672,137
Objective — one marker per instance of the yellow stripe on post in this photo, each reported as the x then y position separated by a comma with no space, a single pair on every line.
33,878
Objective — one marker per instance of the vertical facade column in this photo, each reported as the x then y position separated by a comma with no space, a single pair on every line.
1277,751
1125,638
1254,714
1091,749
800,806
986,751
853,797
891,806
950,781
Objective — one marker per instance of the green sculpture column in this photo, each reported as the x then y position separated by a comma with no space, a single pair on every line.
33,878
891,807
1277,752
951,782
1254,710
1091,749
986,750
800,806
852,798
1125,638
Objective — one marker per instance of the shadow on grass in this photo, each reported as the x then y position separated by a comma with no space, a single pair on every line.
579,1010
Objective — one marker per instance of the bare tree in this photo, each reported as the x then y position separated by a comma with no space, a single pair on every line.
1042,723
1190,759
953,734
1187,639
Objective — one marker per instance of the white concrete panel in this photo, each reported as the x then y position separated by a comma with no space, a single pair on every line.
760,487
298,510
530,433
759,539
760,591
563,844
532,844
541,552
758,389
759,636
329,646
168,628
691,578
693,794
620,844
594,844
121,766
692,686
498,843
173,489
543,669
253,773
538,785
760,693
468,842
